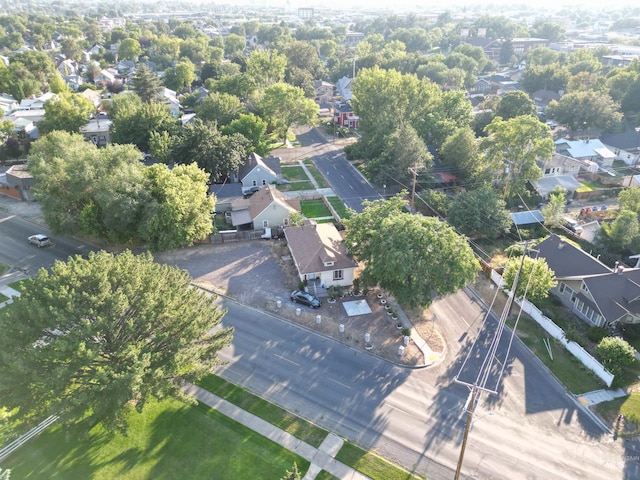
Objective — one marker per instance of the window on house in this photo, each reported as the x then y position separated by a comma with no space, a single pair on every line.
573,297
561,288
591,312
264,182
285,221
265,223
583,287
254,183
338,274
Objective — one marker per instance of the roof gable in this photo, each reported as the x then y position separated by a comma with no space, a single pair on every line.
268,196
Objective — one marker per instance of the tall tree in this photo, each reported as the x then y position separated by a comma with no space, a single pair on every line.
535,279
179,212
218,155
133,121
221,108
514,104
96,336
623,234
181,76
629,199
129,49
147,84
513,147
253,128
284,105
411,256
585,109
68,112
234,45
460,153
265,68
553,212
480,213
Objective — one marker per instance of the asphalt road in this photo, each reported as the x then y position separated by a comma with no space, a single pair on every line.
345,180
19,254
531,429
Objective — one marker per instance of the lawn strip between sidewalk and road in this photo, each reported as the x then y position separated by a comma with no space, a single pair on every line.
371,464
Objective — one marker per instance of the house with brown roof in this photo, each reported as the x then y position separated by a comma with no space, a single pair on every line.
266,208
320,255
597,294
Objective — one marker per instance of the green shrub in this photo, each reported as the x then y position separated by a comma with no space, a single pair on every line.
406,332
595,334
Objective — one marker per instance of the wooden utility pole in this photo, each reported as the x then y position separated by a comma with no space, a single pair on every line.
467,427
414,170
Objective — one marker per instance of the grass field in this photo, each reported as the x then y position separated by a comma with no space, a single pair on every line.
19,284
339,207
296,186
3,298
315,173
273,414
167,440
575,376
314,209
370,464
293,173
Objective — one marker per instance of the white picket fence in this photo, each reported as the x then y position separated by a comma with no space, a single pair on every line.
556,332
18,442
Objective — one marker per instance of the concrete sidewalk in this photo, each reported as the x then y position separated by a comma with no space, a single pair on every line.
321,458
599,396
9,293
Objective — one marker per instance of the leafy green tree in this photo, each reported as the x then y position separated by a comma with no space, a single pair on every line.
296,219
253,128
129,49
411,256
218,155
181,76
515,103
535,279
615,352
629,199
549,30
545,77
621,83
133,121
68,112
622,234
179,212
583,60
585,109
405,150
265,68
234,45
553,212
284,105
460,153
160,144
480,213
93,337
147,84
541,56
513,147
220,108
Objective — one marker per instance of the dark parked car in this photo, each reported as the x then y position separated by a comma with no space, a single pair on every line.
298,296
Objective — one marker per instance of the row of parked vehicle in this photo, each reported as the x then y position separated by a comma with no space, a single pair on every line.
586,210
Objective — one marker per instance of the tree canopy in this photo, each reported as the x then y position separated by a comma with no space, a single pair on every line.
411,256
536,278
67,112
479,212
284,105
147,84
96,335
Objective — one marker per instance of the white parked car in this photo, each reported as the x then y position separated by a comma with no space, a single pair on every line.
40,240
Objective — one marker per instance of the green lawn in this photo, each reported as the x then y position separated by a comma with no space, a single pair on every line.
293,173
3,268
167,440
315,173
325,476
273,414
19,285
339,207
575,376
314,209
3,298
296,186
370,464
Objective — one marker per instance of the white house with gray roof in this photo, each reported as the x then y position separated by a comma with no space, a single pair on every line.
589,149
257,172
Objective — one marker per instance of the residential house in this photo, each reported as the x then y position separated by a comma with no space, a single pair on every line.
26,125
226,194
343,88
625,145
125,67
354,38
105,77
74,81
482,87
97,132
597,294
170,100
26,116
589,149
35,103
343,115
520,46
16,182
542,99
492,47
323,91
93,96
7,103
68,67
257,172
560,171
320,256
266,208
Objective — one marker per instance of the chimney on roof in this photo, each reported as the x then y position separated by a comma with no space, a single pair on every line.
561,244
619,269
